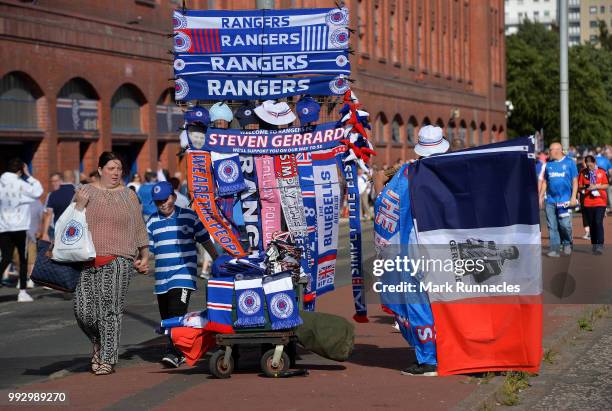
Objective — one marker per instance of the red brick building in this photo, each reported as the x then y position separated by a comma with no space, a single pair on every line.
81,77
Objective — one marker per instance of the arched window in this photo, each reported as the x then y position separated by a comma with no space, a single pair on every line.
169,116
493,134
426,122
380,128
472,134
396,130
125,110
481,132
440,123
451,130
410,128
18,95
463,133
77,106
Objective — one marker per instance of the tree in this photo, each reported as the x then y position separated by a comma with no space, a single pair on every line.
533,86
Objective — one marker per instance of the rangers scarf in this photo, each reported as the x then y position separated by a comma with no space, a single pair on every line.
270,199
249,200
201,184
281,299
249,302
350,174
309,262
327,194
219,305
228,174
285,166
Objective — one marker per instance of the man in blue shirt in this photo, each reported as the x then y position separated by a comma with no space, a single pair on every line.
560,183
144,194
58,201
173,232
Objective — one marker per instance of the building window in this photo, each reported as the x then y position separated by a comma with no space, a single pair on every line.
410,131
593,24
593,10
377,33
520,16
392,34
17,103
125,111
362,27
546,13
602,9
379,128
536,15
395,132
77,107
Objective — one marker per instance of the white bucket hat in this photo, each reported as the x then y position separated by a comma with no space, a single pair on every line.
431,141
275,113
220,111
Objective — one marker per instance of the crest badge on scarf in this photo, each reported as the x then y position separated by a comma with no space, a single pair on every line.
281,299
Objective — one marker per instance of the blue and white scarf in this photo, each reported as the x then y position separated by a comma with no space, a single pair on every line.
249,198
327,191
228,173
249,302
359,297
309,262
281,299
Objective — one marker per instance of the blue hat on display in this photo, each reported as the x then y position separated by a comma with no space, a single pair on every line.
197,115
162,190
307,110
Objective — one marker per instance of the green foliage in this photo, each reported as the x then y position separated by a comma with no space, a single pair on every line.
533,86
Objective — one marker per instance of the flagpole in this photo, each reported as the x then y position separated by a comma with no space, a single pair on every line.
563,36
265,4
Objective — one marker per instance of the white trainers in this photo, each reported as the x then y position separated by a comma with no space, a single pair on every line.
24,297
553,254
31,284
567,249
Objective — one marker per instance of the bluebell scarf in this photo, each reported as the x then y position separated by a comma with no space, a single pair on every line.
281,299
249,302
228,174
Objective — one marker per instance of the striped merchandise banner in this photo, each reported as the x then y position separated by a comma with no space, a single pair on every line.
314,38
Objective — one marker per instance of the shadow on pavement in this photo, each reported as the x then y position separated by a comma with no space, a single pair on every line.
77,364
382,319
393,358
148,351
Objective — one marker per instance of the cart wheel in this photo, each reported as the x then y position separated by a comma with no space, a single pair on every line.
266,363
216,366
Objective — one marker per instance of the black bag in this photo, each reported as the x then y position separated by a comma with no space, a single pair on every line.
48,273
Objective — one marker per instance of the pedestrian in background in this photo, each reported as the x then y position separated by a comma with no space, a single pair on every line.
363,185
57,202
145,193
560,184
114,217
135,182
594,182
17,190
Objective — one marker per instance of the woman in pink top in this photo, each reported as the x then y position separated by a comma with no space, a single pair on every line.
114,216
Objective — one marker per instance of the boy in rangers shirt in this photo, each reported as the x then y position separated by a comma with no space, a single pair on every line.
173,232
593,183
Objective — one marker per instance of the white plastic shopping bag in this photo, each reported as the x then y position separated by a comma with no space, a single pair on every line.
73,241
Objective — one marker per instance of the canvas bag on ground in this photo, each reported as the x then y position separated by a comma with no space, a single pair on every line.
73,241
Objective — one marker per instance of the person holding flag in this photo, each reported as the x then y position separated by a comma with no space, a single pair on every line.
394,231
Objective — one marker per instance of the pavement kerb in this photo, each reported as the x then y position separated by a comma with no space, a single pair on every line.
485,397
